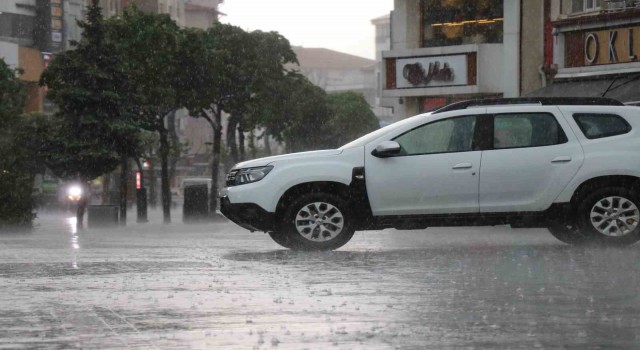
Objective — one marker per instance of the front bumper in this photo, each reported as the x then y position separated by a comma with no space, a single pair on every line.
248,215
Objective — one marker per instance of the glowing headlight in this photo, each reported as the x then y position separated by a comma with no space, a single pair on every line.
244,176
75,191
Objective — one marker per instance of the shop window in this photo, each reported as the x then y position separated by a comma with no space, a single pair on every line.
458,22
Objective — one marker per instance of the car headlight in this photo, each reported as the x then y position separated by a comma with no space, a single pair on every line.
245,176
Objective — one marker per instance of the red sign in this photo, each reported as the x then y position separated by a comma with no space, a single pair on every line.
138,180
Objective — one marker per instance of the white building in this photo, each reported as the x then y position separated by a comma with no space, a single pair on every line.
382,26
444,51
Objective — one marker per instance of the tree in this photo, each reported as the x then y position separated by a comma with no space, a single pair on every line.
265,66
351,117
149,44
95,126
16,179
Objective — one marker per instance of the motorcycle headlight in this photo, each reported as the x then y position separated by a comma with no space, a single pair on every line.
245,176
75,191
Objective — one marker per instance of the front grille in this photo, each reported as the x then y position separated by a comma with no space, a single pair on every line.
231,177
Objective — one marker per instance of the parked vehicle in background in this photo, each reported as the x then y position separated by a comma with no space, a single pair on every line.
571,165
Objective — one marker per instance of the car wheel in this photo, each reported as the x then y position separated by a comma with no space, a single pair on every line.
317,221
610,216
567,233
282,239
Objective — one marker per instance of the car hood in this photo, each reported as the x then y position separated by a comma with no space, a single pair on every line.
286,157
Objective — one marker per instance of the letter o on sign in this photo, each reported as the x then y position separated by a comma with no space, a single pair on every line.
587,45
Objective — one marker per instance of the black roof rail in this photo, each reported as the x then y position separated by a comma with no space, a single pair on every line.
545,101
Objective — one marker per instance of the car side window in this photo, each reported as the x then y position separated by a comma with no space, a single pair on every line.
443,136
595,125
516,130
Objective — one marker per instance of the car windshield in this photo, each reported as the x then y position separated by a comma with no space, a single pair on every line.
375,134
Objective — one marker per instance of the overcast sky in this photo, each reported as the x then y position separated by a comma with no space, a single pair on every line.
341,25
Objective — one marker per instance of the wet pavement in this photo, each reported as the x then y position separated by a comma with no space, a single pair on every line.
217,286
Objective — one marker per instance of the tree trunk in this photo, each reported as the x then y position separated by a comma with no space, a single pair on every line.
267,145
175,143
252,145
106,188
232,123
164,174
153,195
215,163
124,170
241,149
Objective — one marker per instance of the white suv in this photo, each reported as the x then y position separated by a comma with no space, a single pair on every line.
571,165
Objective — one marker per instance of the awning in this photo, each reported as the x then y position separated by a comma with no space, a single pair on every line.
622,88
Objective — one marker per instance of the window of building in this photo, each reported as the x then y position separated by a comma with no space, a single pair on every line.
585,5
443,136
526,130
457,22
595,126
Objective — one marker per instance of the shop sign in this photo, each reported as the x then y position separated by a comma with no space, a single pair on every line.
612,46
431,71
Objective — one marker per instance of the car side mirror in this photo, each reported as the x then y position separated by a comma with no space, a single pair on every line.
386,149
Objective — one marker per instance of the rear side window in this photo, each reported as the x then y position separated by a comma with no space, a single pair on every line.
519,130
595,126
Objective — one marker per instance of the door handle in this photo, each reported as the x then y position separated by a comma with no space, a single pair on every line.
561,159
462,166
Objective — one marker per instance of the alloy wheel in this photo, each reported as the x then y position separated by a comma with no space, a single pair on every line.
615,216
319,221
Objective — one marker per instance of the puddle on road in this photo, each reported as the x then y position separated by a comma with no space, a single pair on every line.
35,270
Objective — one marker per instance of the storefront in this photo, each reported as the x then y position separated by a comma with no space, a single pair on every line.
445,51
597,56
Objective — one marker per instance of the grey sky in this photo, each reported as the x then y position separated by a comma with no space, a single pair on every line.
341,25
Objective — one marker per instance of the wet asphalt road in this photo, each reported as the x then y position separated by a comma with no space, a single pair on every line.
220,287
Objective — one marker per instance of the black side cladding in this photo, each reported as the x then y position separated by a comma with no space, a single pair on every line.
359,200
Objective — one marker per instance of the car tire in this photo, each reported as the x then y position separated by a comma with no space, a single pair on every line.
282,239
610,216
317,221
567,233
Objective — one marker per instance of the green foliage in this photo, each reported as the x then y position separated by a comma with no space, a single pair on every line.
16,182
148,48
302,115
305,119
351,117
97,106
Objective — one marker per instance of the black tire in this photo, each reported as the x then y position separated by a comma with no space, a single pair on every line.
600,197
282,239
567,233
326,236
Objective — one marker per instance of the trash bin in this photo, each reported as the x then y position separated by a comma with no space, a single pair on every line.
196,203
102,215
141,204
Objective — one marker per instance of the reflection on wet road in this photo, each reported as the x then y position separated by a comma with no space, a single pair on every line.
218,286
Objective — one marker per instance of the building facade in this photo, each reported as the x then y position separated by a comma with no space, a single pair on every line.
444,51
595,51
382,26
336,71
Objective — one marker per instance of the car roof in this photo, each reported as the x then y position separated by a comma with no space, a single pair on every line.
542,101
